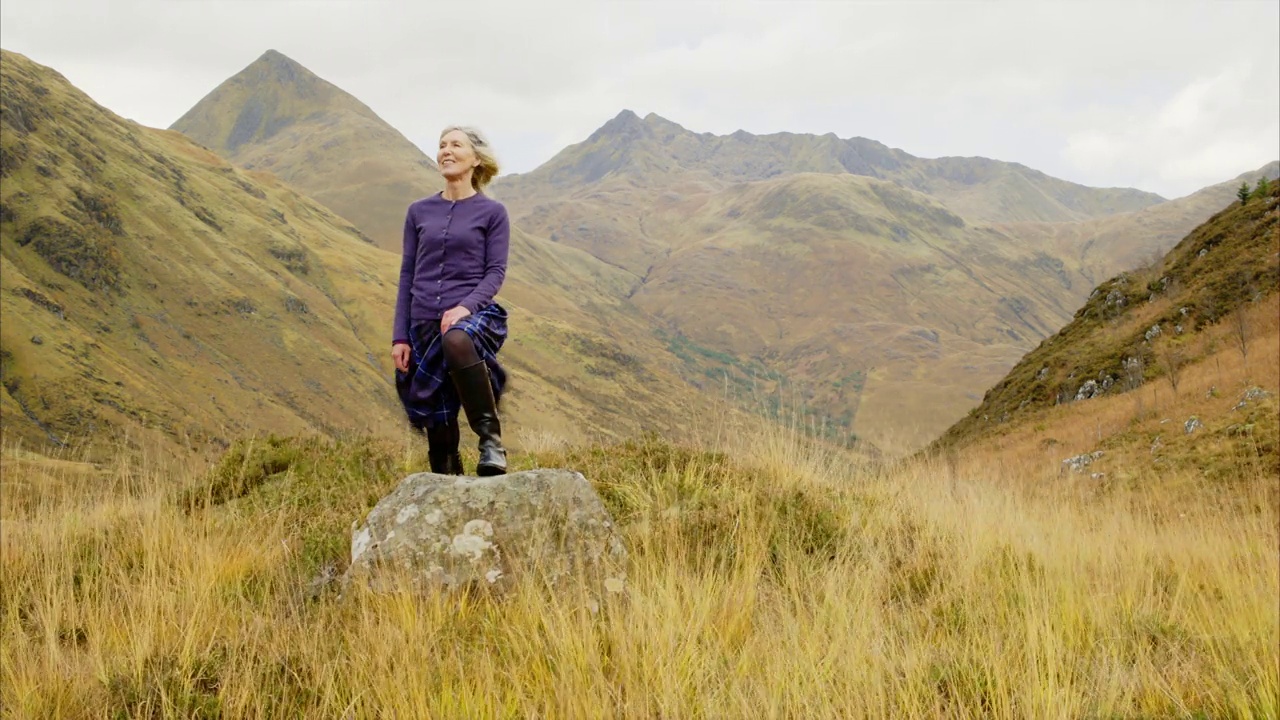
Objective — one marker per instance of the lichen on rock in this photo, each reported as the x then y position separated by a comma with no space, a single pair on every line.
448,533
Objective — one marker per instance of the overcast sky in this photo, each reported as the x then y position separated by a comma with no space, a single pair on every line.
1164,96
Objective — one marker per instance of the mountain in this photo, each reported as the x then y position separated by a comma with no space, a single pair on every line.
152,288
840,269
979,189
277,116
1216,288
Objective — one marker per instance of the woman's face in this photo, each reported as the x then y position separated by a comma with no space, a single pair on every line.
456,157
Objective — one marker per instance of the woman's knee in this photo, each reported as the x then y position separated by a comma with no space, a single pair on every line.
458,348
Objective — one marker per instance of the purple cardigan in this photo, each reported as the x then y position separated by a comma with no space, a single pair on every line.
455,253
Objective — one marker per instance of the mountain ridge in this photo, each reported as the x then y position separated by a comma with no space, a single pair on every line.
614,146
659,224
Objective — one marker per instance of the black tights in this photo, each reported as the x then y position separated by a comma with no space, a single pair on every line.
459,352
443,439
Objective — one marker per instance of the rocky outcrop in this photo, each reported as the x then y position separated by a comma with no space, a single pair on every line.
1078,463
1253,394
1088,390
449,533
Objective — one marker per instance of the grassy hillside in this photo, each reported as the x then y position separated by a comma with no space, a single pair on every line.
770,578
1145,326
876,303
277,116
151,287
878,307
1197,443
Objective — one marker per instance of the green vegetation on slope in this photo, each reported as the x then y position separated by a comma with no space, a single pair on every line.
817,277
1143,324
149,285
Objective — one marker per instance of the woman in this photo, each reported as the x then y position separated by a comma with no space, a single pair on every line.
448,330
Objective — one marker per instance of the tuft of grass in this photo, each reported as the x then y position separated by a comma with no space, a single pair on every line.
242,468
168,686
314,485
88,258
706,499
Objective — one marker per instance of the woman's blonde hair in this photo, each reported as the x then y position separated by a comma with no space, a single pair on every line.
487,170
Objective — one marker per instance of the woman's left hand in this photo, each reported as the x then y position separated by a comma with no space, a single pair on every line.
451,317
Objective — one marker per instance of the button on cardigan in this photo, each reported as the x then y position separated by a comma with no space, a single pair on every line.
455,253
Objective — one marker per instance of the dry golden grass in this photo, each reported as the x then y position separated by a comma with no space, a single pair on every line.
771,578
1126,425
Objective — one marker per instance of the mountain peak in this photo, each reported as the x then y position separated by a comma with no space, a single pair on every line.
271,93
276,115
625,124
274,68
624,120
657,122
277,63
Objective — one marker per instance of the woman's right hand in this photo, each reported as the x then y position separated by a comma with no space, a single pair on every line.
400,354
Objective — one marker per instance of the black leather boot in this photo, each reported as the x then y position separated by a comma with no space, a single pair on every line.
442,449
476,392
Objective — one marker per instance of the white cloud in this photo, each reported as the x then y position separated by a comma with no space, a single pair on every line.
1213,127
1164,96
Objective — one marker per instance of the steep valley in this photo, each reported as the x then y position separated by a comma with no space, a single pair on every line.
826,273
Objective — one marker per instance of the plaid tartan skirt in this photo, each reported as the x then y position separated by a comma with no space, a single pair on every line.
426,390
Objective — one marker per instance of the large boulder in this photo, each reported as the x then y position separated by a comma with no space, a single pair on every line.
454,532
